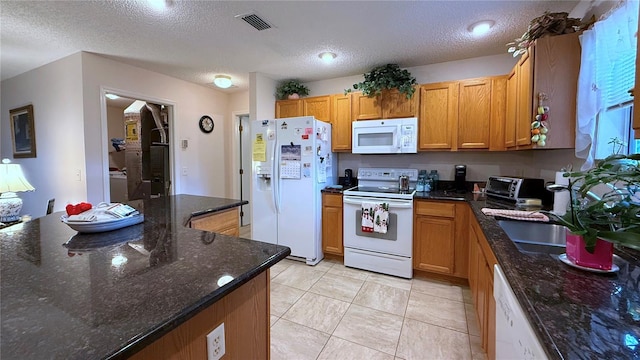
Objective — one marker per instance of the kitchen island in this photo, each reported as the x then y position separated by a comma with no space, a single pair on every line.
131,292
575,314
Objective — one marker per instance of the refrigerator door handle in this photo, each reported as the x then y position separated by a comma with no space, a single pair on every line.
276,171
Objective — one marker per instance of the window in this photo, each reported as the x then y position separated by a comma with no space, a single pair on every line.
615,75
607,73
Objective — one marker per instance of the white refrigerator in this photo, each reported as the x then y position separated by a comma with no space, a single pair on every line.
291,162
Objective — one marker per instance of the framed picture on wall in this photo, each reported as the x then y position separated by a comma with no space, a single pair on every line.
23,132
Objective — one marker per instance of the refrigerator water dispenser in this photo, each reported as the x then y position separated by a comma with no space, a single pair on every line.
263,174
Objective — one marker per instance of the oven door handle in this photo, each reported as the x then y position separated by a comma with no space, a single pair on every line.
382,255
394,204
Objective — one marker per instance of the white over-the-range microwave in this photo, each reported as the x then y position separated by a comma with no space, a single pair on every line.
385,136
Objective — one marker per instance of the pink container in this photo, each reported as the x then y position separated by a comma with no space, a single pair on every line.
602,257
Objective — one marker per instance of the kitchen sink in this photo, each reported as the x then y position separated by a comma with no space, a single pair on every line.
530,237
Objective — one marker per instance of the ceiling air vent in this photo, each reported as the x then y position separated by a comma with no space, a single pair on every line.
255,21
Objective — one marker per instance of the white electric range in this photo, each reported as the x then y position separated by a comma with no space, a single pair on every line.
387,252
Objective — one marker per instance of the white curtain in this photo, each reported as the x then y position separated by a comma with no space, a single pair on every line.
604,50
588,101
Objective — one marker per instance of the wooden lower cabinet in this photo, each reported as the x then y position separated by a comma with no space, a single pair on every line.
439,241
225,222
481,262
245,314
332,224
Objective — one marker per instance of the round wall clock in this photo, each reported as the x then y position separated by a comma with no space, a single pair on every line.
206,124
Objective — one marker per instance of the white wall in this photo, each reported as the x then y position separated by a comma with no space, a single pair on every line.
204,159
71,138
239,102
262,101
55,91
448,71
238,105
480,164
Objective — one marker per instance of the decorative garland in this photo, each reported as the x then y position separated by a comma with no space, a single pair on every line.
548,24
539,126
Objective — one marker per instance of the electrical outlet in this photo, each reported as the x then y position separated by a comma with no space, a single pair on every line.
215,343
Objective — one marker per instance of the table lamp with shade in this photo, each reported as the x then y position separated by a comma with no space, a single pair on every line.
12,180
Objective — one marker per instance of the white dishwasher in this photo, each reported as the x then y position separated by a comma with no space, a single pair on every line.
515,338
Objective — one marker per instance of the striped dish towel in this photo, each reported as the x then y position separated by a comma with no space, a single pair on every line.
517,214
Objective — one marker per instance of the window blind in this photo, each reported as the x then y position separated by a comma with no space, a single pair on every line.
616,55
618,80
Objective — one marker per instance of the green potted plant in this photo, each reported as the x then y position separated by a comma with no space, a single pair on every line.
291,89
604,210
386,77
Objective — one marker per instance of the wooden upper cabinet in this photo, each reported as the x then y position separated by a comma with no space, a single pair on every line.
318,107
396,105
551,67
474,114
498,113
438,116
511,109
525,99
556,67
341,123
288,108
364,107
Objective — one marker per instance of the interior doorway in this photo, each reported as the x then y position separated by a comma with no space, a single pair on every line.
244,164
138,145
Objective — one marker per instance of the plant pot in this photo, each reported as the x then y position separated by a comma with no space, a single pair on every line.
293,97
602,257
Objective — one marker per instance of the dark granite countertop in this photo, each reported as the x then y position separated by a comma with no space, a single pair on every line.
110,294
332,190
576,314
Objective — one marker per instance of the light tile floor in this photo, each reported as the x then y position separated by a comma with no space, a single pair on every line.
245,232
329,311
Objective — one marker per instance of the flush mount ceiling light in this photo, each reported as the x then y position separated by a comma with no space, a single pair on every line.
112,96
222,81
481,27
327,56
158,5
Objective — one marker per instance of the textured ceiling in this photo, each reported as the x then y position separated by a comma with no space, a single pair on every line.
195,40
